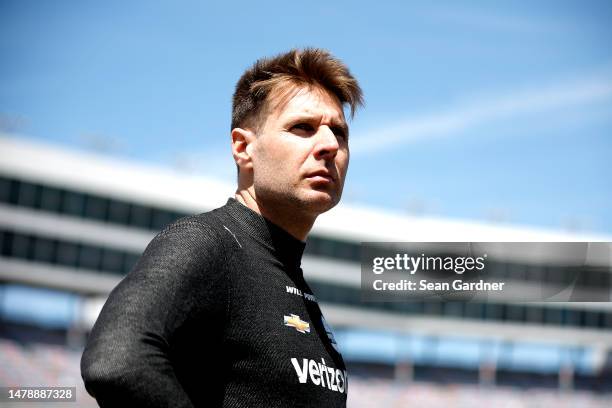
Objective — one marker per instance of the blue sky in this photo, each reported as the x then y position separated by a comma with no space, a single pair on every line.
478,110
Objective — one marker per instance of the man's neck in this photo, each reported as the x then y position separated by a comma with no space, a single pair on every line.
296,225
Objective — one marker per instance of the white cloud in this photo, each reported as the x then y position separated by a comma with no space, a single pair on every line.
460,118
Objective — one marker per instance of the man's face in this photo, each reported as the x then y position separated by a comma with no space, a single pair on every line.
301,154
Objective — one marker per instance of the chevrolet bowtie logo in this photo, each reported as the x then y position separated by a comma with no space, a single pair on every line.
299,325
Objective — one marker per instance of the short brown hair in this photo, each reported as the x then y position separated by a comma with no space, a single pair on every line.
308,66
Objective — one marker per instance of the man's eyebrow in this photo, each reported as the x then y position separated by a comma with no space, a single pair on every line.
301,116
335,123
343,126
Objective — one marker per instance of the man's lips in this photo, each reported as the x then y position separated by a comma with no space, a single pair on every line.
321,175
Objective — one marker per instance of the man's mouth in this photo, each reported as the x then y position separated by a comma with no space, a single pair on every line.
321,176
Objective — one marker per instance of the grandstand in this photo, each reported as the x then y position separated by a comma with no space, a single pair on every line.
72,224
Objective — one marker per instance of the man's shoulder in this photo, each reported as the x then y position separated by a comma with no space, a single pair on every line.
196,234
204,225
189,243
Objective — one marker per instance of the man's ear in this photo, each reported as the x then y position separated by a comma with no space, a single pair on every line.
242,147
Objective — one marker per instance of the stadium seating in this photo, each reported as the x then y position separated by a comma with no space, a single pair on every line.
36,364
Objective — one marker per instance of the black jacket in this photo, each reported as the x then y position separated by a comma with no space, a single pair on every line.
215,313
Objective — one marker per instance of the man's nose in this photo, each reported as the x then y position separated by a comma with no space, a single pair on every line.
326,144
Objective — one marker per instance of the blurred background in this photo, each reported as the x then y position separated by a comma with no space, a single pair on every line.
484,121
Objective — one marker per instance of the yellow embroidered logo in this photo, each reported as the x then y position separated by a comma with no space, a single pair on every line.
297,323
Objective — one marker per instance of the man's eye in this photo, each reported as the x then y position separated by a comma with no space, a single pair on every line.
303,126
338,131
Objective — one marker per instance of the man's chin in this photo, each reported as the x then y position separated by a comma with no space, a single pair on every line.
321,201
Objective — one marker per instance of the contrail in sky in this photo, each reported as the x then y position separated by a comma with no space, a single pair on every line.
461,118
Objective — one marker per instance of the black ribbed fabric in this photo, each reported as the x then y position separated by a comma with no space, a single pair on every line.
216,313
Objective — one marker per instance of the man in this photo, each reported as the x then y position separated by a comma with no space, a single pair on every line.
217,311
